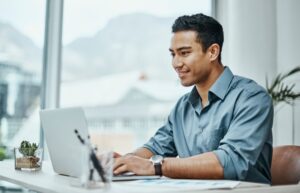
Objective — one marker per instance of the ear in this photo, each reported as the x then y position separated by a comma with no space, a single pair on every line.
214,51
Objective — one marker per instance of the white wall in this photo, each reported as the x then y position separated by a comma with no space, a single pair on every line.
262,38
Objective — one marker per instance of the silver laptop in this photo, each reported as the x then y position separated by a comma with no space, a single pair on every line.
59,128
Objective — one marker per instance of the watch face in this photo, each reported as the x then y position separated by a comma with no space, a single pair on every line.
157,159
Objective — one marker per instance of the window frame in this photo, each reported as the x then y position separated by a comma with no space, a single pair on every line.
51,74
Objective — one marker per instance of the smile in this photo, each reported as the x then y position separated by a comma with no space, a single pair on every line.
181,73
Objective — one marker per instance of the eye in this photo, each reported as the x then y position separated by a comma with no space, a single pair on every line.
172,54
184,53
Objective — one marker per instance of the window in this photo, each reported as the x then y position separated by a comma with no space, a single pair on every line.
21,44
116,64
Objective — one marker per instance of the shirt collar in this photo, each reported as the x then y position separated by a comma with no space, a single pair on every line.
219,88
194,97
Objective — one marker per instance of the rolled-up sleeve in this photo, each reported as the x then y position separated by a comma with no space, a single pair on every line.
247,135
162,143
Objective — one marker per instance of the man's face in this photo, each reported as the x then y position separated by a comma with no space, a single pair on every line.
189,61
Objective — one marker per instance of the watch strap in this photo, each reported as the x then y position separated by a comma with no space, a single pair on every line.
158,170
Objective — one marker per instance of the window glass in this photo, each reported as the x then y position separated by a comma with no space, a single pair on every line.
21,43
116,65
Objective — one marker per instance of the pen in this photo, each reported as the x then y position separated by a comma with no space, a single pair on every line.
97,165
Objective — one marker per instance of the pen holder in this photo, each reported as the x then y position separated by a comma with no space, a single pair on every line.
30,162
90,178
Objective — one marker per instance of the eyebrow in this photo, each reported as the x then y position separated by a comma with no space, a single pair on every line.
181,48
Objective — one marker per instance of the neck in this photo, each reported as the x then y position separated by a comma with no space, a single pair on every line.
204,87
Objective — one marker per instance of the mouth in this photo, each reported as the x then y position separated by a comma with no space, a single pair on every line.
181,73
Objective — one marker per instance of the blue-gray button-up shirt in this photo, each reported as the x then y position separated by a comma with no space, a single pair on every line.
236,125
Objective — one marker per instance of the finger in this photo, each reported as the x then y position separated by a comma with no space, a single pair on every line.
116,155
118,162
120,169
116,167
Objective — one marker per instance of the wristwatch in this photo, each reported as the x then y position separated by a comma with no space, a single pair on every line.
157,161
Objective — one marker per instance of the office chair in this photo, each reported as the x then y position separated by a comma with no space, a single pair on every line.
285,167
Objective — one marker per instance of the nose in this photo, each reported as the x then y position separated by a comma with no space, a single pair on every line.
177,62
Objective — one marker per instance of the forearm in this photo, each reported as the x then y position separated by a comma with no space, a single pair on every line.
204,166
142,152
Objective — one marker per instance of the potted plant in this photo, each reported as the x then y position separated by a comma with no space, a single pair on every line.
281,93
28,156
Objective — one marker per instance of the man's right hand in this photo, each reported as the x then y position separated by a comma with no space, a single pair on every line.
132,163
137,155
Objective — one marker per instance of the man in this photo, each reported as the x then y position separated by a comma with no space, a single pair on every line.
221,129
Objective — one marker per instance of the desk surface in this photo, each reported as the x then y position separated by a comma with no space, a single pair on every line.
47,181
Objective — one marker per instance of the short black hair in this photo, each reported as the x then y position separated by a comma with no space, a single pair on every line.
209,30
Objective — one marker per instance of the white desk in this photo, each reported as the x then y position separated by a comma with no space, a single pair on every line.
47,181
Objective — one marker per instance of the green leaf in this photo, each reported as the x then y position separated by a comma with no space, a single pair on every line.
28,149
281,92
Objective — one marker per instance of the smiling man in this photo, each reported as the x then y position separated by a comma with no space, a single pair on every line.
222,129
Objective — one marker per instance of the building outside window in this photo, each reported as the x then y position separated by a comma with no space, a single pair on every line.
22,25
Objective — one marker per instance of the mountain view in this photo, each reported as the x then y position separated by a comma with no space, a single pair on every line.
128,42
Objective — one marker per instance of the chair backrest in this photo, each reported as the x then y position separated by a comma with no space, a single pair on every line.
285,167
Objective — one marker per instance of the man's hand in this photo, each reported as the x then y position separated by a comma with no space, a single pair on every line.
116,155
132,163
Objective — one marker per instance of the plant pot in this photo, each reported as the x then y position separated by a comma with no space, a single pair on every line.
30,163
